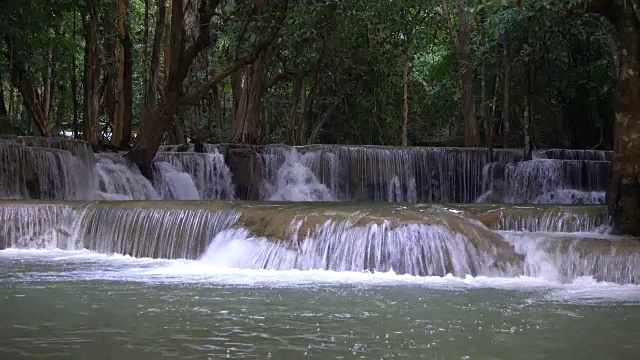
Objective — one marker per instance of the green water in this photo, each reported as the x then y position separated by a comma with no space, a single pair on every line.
81,305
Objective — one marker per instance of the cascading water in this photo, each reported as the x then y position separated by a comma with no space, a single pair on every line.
417,240
63,169
407,239
209,172
573,154
421,250
42,173
307,173
569,196
540,180
563,257
174,184
563,219
371,173
34,225
118,180
294,181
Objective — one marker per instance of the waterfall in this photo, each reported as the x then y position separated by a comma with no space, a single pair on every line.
35,225
534,180
563,257
154,232
174,184
374,173
61,169
295,181
569,196
573,154
43,173
415,240
422,250
119,180
209,172
545,219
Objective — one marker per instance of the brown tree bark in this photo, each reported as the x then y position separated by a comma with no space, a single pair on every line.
74,81
127,92
462,42
486,121
624,191
33,99
145,47
118,116
405,97
506,93
5,125
92,66
293,119
154,65
47,92
248,125
158,120
528,99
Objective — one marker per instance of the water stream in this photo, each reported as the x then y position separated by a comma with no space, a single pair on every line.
353,253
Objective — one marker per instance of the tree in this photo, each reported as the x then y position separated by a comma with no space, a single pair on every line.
624,191
158,120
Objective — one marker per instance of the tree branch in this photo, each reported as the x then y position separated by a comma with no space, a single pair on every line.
238,63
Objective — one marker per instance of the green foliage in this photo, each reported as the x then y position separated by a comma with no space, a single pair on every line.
349,56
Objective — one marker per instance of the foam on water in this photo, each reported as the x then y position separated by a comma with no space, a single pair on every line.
296,182
223,267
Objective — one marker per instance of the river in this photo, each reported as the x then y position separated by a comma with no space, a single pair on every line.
61,304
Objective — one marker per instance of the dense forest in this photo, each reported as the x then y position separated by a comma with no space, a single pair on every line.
134,74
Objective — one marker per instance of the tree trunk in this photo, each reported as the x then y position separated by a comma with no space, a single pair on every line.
167,39
5,125
526,117
466,68
180,58
624,190
117,119
31,97
154,66
47,94
486,122
92,64
506,95
247,125
293,120
145,49
74,81
405,97
127,92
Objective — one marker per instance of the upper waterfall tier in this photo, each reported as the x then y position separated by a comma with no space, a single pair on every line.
60,169
418,240
572,154
43,173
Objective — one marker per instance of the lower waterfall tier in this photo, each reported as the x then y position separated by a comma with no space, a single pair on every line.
418,240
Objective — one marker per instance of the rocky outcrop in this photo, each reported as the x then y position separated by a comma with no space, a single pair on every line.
245,165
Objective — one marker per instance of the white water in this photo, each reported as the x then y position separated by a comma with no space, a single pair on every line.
295,181
208,179
174,184
209,173
568,196
120,181
220,270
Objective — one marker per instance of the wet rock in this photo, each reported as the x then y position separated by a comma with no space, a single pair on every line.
246,168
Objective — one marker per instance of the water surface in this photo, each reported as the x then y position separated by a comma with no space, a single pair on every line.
79,304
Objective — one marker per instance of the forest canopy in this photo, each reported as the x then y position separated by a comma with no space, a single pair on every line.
302,71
